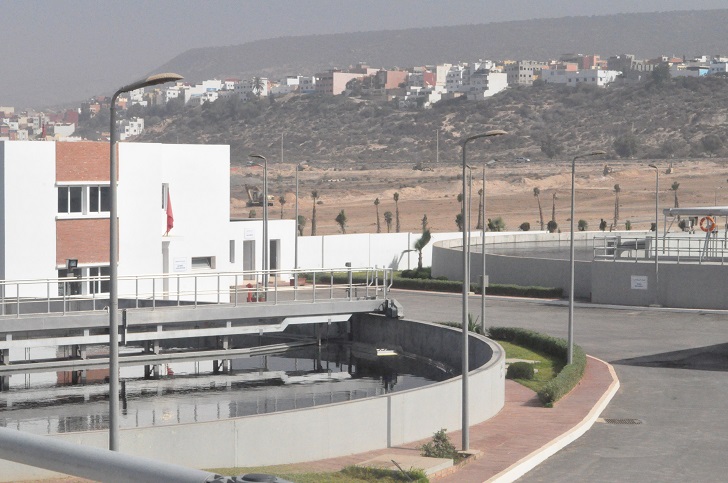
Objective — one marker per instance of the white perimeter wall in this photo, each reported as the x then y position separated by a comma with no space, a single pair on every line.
29,207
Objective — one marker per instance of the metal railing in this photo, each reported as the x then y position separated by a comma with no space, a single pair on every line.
678,249
65,295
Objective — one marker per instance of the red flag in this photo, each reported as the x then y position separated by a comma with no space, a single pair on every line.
170,216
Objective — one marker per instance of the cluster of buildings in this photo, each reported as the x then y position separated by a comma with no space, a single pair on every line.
414,87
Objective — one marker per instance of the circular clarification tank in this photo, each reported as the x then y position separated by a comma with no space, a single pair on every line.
187,392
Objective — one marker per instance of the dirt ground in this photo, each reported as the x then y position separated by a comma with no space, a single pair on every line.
509,193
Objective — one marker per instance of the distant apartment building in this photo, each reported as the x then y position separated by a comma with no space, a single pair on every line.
420,97
486,83
595,77
307,85
250,88
719,67
62,130
130,127
523,72
334,82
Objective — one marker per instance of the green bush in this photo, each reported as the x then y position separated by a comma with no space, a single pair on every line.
439,447
372,474
569,376
520,370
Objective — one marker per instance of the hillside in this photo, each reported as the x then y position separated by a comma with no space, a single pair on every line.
667,120
644,34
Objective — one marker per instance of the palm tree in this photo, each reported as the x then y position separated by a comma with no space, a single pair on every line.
301,224
388,220
341,220
379,226
424,223
396,210
459,221
537,192
674,187
314,195
258,86
553,207
282,201
420,244
480,209
617,190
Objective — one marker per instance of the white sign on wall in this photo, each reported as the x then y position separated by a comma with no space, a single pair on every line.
249,234
181,264
639,282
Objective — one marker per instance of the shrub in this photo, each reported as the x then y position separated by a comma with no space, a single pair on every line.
569,376
439,447
525,226
520,370
371,474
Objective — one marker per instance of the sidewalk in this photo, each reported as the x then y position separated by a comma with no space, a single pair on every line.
519,437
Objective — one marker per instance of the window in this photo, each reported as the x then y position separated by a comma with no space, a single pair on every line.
71,285
232,251
101,283
84,200
165,195
70,199
99,199
201,263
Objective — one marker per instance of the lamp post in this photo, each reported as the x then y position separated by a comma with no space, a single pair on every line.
570,353
466,286
295,260
114,255
265,220
482,251
657,266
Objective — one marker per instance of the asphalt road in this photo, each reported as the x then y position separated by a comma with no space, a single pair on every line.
673,370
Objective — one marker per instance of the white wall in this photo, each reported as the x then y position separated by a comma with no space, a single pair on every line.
29,206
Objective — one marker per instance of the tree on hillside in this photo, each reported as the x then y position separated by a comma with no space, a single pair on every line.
420,244
388,220
550,146
497,224
626,145
341,221
661,74
282,201
525,226
711,143
583,225
301,224
376,205
552,226
314,195
553,207
396,211
537,192
674,188
617,190
424,222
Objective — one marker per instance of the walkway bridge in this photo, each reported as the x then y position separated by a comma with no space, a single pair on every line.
203,310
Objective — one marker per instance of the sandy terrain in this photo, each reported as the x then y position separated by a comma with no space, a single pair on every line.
703,182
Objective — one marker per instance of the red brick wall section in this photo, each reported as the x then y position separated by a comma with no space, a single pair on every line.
85,240
82,161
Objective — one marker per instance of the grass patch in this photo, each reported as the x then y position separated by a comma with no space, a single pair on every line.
350,474
548,366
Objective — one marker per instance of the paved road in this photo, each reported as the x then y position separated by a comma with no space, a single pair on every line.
673,369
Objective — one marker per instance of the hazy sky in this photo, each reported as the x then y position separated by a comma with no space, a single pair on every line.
94,46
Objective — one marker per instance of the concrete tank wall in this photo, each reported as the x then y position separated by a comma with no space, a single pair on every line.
325,431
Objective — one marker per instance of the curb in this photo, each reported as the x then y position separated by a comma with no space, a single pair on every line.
529,462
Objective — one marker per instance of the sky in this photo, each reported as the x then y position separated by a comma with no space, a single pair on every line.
87,47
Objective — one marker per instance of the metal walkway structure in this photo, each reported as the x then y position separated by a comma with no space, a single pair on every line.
157,310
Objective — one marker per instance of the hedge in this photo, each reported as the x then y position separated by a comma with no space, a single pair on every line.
452,286
569,376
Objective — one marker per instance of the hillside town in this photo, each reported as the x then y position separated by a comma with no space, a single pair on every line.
417,87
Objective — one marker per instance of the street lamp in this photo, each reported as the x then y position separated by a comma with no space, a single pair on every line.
482,250
114,255
265,220
466,288
657,272
570,353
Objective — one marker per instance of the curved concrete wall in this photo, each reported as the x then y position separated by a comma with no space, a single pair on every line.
325,431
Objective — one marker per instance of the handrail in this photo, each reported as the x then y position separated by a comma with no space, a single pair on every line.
194,289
